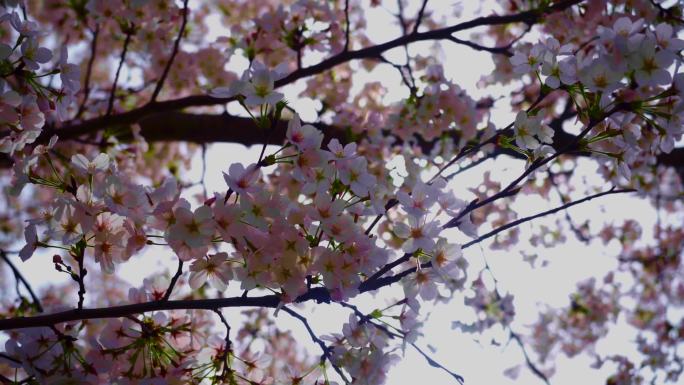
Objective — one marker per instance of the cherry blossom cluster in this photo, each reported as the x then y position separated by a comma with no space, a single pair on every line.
443,105
314,234
27,101
627,62
594,308
328,211
282,34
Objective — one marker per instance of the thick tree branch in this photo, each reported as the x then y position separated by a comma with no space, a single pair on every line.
132,116
213,128
318,294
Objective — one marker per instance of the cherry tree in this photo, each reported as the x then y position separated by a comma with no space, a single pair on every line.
106,103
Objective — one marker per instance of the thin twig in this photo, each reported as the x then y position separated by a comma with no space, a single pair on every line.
504,50
365,318
436,364
376,281
346,25
20,278
204,171
542,214
407,80
470,165
529,362
404,30
228,344
469,150
564,199
314,337
179,272
80,279
419,18
512,188
176,44
129,33
89,71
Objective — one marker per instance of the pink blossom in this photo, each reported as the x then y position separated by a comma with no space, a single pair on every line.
215,268
242,180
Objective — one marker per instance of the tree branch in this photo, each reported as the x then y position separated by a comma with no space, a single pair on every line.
528,361
376,281
179,272
110,105
89,72
346,25
436,364
419,18
504,50
511,188
132,116
542,214
326,350
176,44
19,277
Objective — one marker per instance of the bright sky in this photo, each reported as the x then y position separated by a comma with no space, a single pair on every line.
478,361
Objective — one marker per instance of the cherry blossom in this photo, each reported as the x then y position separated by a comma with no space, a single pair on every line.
213,268
242,179
99,164
338,211
419,233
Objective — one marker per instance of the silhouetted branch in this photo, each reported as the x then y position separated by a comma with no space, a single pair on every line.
132,116
20,278
504,50
528,361
89,72
542,214
176,45
436,364
326,350
419,18
174,279
110,105
346,25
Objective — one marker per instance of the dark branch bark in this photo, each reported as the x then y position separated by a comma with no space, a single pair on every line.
132,116
89,71
528,361
174,279
110,105
176,44
543,214
20,277
210,128
504,50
